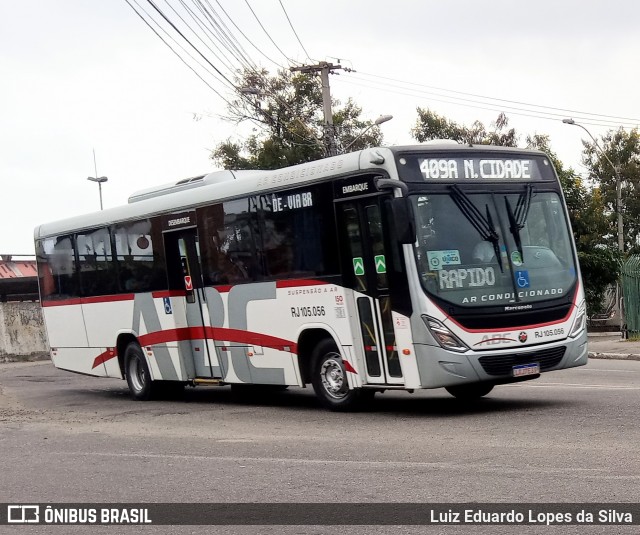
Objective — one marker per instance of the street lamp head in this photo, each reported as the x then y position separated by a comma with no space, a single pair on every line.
382,119
568,121
99,180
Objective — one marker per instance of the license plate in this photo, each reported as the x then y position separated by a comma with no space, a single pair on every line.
526,369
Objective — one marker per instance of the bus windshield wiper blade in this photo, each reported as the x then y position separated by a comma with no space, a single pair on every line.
523,205
518,219
514,228
483,225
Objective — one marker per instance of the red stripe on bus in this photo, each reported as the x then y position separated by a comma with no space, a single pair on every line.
279,284
89,300
348,367
62,302
211,333
223,289
167,293
299,282
107,299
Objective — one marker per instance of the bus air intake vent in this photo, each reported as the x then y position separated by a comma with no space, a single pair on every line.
503,364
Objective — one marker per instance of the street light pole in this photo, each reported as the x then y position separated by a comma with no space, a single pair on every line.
619,219
618,184
378,121
99,180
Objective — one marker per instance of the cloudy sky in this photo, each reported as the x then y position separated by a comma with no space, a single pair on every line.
85,75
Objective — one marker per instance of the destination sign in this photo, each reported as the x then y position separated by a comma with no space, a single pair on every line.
472,168
476,167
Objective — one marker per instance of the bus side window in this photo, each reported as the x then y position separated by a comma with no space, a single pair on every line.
227,242
97,270
57,268
140,256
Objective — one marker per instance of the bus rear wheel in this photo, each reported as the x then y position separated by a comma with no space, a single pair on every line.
139,379
329,379
470,392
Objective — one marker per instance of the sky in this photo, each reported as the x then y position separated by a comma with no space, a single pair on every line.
85,77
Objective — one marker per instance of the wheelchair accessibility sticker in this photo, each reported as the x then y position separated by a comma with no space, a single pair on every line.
522,279
167,305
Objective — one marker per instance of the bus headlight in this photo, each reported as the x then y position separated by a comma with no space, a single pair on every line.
580,322
444,336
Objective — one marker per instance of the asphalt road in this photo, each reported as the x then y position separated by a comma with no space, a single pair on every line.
570,436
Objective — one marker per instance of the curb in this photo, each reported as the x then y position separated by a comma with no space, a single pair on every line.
614,356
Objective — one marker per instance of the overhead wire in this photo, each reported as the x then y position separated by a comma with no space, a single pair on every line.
247,63
247,39
223,35
490,106
268,34
224,61
177,30
173,50
595,116
294,31
218,93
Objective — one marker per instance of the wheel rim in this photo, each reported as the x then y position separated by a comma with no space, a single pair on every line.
137,374
333,378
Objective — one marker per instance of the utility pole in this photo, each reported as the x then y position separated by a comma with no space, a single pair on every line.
324,68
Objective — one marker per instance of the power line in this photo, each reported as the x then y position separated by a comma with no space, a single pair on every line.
197,20
479,105
224,36
173,50
160,12
267,33
294,31
230,104
248,40
625,119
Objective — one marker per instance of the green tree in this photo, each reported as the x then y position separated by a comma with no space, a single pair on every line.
430,126
622,150
287,111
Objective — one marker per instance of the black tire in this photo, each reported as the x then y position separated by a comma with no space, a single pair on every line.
329,379
470,392
141,387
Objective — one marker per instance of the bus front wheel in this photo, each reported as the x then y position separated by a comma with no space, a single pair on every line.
470,392
329,379
137,371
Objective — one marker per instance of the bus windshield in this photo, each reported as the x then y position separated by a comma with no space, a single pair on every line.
483,249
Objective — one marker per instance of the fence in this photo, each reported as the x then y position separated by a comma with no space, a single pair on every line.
631,290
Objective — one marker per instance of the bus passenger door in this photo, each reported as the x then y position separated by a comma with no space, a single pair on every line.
363,236
185,278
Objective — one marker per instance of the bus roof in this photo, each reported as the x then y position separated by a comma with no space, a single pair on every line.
223,185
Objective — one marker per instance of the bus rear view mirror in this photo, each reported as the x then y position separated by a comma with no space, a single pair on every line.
403,220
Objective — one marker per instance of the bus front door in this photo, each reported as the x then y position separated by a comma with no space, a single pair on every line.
363,236
185,279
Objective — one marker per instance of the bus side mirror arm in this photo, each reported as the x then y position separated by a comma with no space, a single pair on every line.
401,209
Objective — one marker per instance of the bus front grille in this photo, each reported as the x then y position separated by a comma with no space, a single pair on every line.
503,364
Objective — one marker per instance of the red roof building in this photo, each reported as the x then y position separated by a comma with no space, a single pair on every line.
18,278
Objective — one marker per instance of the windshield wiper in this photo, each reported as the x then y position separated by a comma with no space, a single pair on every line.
518,219
483,225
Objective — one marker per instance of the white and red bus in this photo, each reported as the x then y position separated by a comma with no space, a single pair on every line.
391,268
